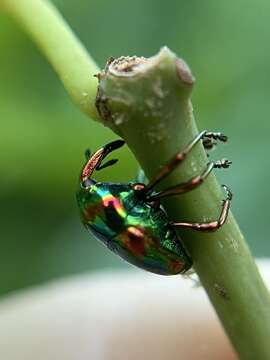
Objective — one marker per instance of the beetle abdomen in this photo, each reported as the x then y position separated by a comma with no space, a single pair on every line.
140,247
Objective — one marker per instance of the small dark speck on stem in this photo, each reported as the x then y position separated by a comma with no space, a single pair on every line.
221,291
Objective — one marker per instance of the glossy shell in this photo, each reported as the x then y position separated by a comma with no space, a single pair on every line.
135,230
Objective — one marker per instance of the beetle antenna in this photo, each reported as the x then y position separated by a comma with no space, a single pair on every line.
108,163
87,154
94,163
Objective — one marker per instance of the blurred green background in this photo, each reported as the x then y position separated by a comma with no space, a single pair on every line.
43,136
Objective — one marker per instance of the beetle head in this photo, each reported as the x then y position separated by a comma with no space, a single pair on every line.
87,183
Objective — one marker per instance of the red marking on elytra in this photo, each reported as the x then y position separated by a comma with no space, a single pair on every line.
135,240
175,266
92,211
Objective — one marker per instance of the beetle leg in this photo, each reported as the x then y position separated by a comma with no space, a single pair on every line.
212,225
193,183
208,142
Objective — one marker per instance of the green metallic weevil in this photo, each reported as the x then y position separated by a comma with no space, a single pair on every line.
129,219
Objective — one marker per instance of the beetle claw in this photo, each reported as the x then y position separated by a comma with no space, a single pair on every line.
228,192
223,163
210,139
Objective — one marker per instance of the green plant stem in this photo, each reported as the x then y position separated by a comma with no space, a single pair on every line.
149,106
57,42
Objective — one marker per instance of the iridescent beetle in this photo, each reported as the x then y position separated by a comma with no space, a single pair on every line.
129,219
